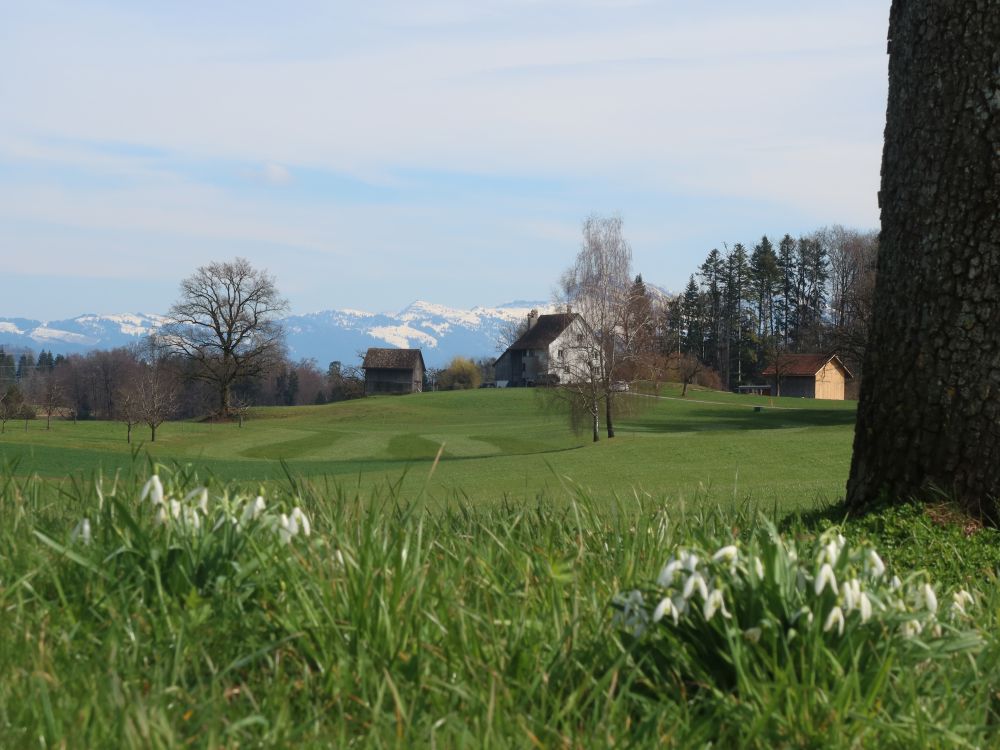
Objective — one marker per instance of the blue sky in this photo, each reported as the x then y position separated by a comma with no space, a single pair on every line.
370,154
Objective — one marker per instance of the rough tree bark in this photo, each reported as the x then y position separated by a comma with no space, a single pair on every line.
929,414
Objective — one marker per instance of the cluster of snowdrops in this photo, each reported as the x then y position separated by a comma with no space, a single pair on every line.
769,588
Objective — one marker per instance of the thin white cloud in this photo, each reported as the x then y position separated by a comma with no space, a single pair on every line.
778,104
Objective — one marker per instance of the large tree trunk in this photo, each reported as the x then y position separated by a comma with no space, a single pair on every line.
595,415
929,414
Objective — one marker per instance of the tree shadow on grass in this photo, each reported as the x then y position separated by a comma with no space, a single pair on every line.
697,419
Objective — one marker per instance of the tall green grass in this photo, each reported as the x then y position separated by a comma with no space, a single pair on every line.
391,625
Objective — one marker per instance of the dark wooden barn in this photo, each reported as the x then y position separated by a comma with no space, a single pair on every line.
393,371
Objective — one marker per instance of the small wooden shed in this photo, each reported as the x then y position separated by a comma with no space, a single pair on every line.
393,371
808,376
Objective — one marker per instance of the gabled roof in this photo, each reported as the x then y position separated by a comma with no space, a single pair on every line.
545,331
803,365
393,359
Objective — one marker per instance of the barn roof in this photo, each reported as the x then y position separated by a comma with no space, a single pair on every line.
545,331
392,359
804,365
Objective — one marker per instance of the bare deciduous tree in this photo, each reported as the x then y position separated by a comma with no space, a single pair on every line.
685,368
227,324
599,287
48,394
11,405
129,407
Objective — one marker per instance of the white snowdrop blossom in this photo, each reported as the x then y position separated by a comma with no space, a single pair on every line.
253,510
200,495
789,593
726,554
929,598
826,578
852,594
804,612
834,620
666,607
715,603
960,599
865,606
287,528
302,520
695,581
874,565
670,570
175,509
689,561
631,612
153,488
82,532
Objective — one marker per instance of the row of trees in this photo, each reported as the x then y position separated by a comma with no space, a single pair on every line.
742,310
744,307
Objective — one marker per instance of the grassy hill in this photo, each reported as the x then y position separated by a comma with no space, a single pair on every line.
497,443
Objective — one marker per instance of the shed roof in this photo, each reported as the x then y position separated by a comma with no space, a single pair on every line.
803,365
545,331
392,359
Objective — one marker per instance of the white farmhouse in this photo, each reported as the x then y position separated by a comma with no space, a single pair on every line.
556,348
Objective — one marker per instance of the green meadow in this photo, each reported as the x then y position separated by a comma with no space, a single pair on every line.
494,444
462,570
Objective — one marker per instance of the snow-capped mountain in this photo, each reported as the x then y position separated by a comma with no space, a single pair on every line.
441,332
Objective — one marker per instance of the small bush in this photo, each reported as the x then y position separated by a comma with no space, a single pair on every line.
460,374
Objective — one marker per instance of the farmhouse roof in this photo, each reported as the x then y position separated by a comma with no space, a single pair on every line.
392,359
803,365
544,331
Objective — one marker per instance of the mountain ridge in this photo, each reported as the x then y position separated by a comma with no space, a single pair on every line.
441,331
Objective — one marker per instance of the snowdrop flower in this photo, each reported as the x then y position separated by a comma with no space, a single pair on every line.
912,628
82,531
287,528
834,619
758,567
192,519
632,614
725,554
253,510
302,520
929,598
689,561
666,577
153,488
804,612
666,607
695,581
715,603
826,577
895,584
161,515
958,600
201,493
865,605
852,594
175,509
874,565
